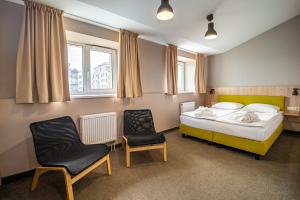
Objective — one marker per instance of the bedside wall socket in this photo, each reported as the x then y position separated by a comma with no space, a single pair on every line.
294,108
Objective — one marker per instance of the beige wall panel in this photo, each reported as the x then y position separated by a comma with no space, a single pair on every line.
10,25
152,61
88,29
186,54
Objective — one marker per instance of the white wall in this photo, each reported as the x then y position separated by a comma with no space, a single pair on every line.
272,58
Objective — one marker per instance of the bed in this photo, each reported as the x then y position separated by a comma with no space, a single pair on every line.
257,140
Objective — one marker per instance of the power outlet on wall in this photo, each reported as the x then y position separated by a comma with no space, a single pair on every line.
294,108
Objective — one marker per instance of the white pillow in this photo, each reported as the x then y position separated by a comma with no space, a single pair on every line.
260,107
228,105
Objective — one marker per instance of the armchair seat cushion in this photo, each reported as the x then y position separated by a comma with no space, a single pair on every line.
76,158
145,139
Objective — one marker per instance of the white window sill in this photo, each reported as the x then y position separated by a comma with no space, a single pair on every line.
93,96
186,92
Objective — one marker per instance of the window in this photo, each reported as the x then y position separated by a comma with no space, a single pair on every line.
186,76
92,69
181,74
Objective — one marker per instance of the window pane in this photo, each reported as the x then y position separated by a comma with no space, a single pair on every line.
180,81
101,70
75,69
190,68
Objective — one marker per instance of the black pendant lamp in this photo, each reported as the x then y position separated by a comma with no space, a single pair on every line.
165,11
211,33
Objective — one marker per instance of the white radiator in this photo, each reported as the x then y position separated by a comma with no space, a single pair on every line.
187,106
98,128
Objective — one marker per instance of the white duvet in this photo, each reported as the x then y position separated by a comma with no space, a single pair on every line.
209,113
234,118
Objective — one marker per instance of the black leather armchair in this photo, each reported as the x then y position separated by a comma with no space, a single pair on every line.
140,134
59,148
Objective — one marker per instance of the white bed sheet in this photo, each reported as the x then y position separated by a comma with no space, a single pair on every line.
265,118
217,112
252,133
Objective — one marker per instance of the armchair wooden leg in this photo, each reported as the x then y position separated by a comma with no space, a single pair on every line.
123,143
108,165
38,172
165,152
69,181
127,156
69,188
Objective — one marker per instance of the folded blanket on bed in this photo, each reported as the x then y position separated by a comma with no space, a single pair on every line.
247,117
203,112
200,108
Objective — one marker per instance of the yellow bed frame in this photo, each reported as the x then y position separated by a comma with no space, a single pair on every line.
259,148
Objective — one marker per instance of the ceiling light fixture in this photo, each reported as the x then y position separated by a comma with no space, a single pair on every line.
211,33
165,11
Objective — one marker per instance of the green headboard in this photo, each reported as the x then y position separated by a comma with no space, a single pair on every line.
245,99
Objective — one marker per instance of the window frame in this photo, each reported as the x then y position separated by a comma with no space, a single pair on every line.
83,57
181,90
184,78
86,71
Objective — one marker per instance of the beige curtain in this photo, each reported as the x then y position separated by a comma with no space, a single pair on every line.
200,83
171,70
129,82
41,69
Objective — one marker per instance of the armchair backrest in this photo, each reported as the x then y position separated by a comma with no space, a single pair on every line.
138,122
54,136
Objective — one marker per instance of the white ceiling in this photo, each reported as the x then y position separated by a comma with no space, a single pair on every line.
236,21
